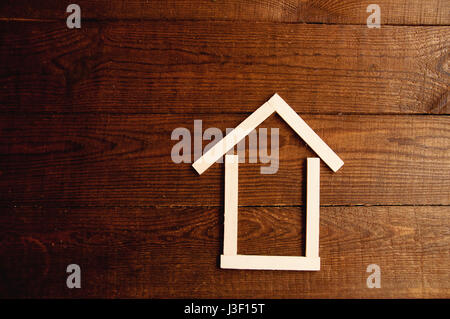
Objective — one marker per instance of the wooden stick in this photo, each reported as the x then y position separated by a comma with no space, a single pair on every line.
231,205
306,133
312,207
231,139
269,262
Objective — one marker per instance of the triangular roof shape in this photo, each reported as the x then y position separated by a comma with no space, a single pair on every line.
274,104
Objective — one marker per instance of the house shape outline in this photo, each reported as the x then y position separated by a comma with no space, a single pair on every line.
230,258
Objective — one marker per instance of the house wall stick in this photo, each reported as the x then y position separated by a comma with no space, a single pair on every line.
312,207
231,205
306,133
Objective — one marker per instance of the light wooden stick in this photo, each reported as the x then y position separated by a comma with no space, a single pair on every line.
231,205
306,133
231,139
269,262
312,207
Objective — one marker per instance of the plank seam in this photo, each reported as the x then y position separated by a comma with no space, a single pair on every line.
41,20
35,113
215,206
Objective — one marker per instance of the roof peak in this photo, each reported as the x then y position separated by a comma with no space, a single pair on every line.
278,105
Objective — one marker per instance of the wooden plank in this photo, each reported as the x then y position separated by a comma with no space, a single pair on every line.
222,67
117,160
415,12
257,262
312,207
173,252
230,233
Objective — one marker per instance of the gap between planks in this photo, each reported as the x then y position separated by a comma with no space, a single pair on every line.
94,20
3,205
49,113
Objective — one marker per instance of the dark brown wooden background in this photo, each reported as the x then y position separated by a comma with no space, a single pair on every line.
86,175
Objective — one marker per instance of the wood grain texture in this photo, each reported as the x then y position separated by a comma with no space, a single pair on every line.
221,67
110,160
174,252
400,12
86,118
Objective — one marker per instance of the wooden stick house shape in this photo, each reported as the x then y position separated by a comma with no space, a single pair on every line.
230,258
